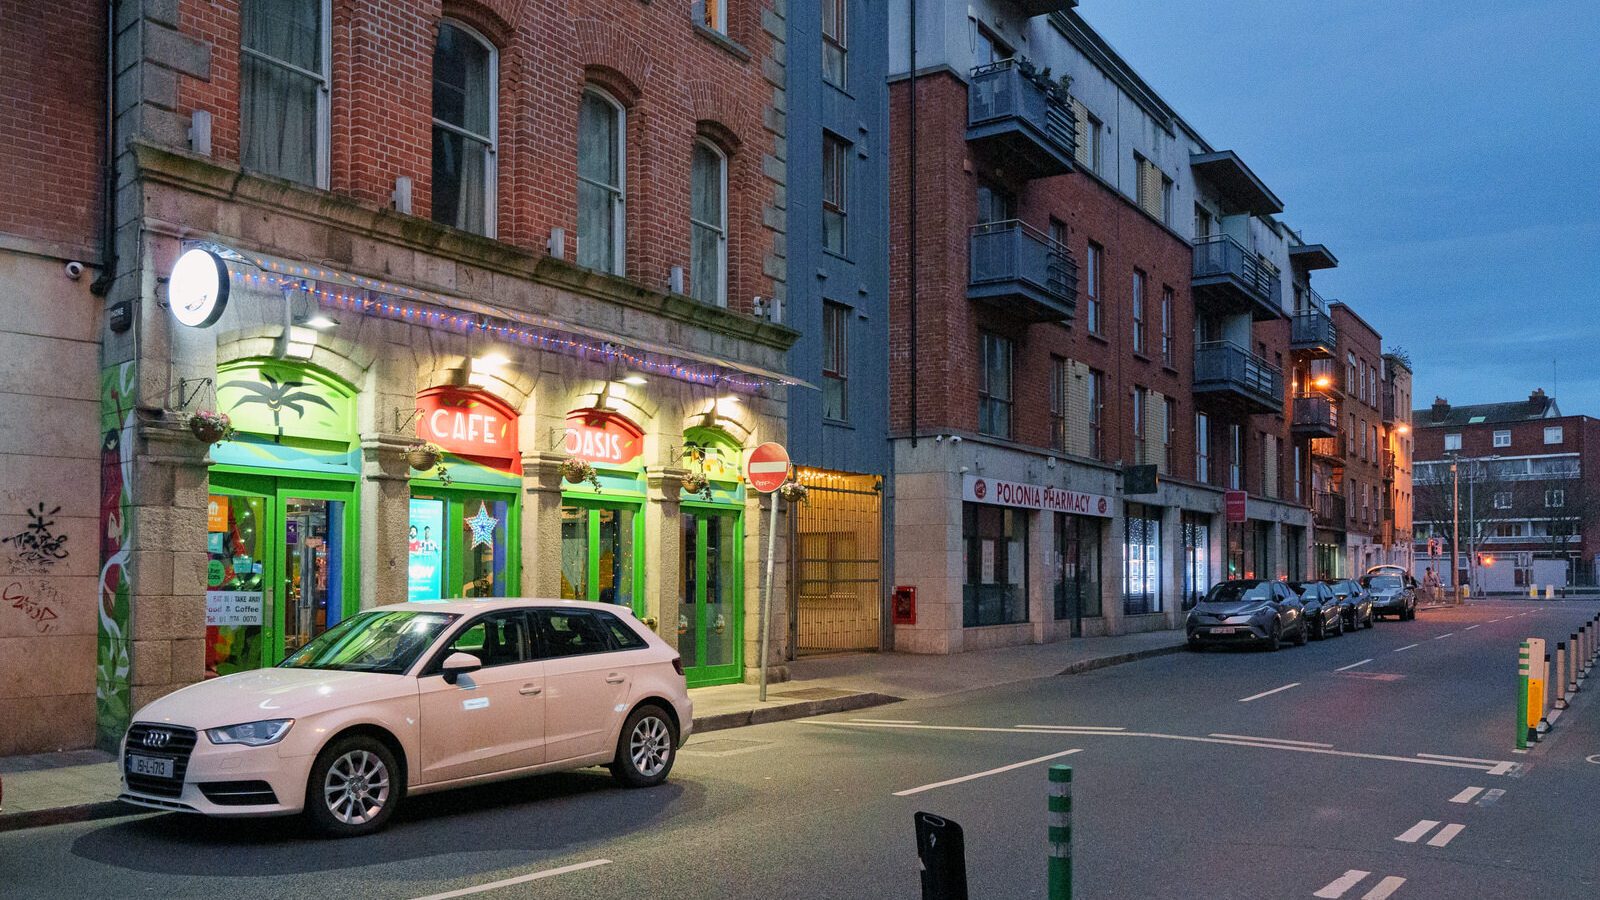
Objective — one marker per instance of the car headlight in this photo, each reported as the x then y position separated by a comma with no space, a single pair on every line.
251,734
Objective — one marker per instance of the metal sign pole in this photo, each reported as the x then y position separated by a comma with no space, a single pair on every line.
766,595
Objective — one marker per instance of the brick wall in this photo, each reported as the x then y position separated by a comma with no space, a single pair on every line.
51,122
949,324
675,81
1360,472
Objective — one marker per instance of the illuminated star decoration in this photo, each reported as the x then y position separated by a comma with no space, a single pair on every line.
482,526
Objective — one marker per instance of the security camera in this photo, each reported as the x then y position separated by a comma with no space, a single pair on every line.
955,438
963,470
74,270
938,439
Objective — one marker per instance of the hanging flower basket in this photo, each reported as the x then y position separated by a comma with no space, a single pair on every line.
423,456
210,427
794,492
695,483
578,471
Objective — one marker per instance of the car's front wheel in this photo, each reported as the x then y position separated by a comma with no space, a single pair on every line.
646,748
354,787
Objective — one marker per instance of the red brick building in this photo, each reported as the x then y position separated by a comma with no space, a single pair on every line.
1529,492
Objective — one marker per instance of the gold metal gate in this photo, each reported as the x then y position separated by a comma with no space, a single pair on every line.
836,570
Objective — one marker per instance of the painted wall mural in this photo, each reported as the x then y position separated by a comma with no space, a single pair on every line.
117,388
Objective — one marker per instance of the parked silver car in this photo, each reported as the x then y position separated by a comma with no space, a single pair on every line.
1247,611
1393,594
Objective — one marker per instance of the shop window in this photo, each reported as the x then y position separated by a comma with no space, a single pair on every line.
460,544
995,541
1141,555
465,72
602,182
283,93
1077,568
1196,534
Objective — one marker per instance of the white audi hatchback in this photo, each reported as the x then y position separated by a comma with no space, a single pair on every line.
413,698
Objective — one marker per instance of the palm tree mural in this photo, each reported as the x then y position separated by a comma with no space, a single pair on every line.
277,396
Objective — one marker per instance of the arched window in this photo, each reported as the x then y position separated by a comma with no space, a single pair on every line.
602,178
708,224
464,124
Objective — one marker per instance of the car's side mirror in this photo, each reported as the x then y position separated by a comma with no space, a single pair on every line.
458,664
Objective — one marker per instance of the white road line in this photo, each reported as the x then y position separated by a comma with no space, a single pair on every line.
1079,727
890,721
1338,886
520,879
1445,835
1471,759
1246,737
1384,888
1268,693
1440,637
1027,762
1406,647
1414,833
1352,666
1470,627
1466,795
1498,769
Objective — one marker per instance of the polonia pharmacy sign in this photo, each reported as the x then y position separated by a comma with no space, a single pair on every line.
978,489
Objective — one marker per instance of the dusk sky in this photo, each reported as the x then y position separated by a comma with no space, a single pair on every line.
1445,153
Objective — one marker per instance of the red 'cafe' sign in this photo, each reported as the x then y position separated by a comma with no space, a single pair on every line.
467,423
602,437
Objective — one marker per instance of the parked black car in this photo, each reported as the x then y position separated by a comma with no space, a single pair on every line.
1323,614
1393,594
1355,601
1247,611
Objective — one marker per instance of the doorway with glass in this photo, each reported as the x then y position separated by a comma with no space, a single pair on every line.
711,595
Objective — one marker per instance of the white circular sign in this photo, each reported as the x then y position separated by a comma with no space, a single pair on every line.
197,292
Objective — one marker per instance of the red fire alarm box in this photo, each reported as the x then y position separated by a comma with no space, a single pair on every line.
904,605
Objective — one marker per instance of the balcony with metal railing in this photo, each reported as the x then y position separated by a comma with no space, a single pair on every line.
1229,278
1228,372
1388,403
1312,332
1331,449
1019,269
1328,510
1022,118
1315,416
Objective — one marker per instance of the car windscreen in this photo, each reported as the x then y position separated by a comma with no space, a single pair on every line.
1239,592
387,641
1383,582
1301,587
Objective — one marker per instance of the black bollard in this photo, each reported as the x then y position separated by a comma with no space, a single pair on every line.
943,856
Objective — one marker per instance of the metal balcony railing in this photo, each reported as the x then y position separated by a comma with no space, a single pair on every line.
1329,509
1015,265
1225,366
1316,416
1388,404
1312,330
1027,115
1333,449
1220,258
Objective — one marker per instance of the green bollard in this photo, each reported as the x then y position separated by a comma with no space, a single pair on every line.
1522,696
1060,833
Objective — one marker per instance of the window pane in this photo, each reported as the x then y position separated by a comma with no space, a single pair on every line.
571,633
498,640
598,130
288,30
461,80
835,203
278,115
707,260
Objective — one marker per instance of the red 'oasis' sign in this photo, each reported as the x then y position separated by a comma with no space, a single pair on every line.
467,423
602,437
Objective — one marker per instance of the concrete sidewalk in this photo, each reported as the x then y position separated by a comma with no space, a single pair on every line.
75,786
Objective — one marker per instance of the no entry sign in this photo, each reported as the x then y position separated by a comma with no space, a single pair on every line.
768,468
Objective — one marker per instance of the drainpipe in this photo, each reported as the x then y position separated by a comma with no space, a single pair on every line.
911,219
108,242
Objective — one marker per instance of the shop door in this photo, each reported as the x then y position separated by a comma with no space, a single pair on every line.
460,544
711,603
277,568
598,546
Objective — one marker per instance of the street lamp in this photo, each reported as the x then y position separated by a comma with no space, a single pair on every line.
1455,513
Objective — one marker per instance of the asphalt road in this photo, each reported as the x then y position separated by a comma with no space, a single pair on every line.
1196,776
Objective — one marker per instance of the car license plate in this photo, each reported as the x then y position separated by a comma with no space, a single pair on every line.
151,766
1223,630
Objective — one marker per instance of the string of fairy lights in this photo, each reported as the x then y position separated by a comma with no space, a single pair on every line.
406,304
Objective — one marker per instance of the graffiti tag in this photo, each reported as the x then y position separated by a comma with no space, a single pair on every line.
38,609
36,543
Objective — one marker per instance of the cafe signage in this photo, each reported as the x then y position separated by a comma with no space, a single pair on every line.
979,489
467,423
603,438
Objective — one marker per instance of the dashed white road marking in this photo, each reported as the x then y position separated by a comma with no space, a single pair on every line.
1470,627
1071,727
890,721
1384,888
1466,795
520,879
1471,759
1269,693
1336,888
949,781
1445,835
1352,666
1406,647
1414,833
1503,768
1246,737
1440,637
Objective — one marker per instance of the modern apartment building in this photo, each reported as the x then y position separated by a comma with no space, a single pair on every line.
1083,291
489,293
1520,482
837,238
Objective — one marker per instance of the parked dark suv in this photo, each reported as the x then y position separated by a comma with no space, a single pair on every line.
1392,593
1247,611
1323,615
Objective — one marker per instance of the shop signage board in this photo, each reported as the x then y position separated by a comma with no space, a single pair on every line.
768,468
980,489
1235,503
467,423
233,608
282,400
425,543
603,438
